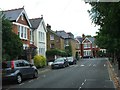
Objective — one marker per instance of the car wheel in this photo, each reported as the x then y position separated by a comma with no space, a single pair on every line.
64,66
35,74
19,79
68,65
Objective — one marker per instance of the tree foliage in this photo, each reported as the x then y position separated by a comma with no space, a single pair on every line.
54,52
107,16
11,44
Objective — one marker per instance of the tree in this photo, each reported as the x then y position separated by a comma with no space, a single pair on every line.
12,46
107,16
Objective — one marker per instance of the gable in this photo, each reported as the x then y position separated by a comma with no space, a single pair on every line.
15,14
86,40
23,19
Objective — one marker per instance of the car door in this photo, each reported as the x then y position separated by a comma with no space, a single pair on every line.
29,68
21,67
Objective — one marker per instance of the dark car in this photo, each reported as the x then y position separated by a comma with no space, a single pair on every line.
59,63
18,70
87,57
72,60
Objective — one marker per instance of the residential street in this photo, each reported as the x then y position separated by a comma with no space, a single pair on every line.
87,73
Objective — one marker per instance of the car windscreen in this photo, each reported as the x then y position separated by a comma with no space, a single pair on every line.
59,60
6,64
70,58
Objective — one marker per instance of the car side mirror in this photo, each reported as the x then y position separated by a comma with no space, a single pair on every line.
31,64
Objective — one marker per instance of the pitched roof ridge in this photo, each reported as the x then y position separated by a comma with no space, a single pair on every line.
35,18
13,9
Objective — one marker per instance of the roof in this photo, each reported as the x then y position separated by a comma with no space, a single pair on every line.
35,22
80,39
54,33
92,39
62,34
14,14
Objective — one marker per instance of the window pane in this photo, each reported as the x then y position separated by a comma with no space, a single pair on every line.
21,31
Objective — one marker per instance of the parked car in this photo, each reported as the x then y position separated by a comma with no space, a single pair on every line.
60,63
72,60
18,70
87,57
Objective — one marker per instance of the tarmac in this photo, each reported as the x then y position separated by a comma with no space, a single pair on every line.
112,72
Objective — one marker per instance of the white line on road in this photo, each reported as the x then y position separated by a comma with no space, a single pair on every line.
82,65
30,81
79,88
21,84
90,65
94,65
104,65
83,83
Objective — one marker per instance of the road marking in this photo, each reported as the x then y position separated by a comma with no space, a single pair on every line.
30,81
82,83
94,65
21,84
44,71
82,65
79,88
90,65
104,65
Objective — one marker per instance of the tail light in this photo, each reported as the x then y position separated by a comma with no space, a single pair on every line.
12,64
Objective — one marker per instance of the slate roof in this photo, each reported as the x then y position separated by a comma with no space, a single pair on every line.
92,39
63,34
13,14
35,22
80,39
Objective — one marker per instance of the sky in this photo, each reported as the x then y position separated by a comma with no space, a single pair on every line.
68,15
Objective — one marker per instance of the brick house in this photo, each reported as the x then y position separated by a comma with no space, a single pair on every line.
21,26
88,48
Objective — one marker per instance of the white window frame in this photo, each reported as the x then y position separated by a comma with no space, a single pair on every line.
52,37
87,45
25,46
87,52
22,32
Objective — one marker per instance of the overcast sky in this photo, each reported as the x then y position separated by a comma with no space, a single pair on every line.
67,15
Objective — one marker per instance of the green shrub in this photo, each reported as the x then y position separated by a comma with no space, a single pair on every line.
39,61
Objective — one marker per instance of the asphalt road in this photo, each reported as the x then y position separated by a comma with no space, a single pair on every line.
87,73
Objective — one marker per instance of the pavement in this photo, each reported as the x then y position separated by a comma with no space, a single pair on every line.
44,69
114,75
